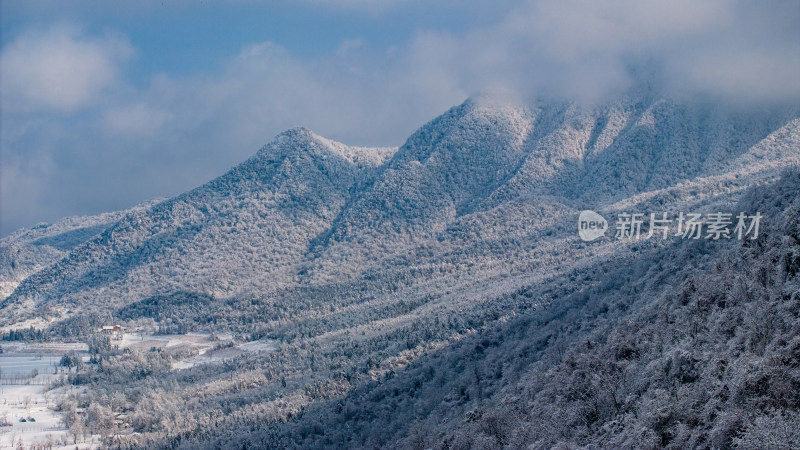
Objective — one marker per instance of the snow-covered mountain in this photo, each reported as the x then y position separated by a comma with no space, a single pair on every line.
450,266
305,209
28,251
252,223
693,345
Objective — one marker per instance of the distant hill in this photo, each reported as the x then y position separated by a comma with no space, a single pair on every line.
27,251
437,295
305,209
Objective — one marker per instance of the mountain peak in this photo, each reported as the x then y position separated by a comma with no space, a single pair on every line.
303,140
296,134
306,207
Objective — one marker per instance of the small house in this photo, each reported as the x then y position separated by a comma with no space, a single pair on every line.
115,331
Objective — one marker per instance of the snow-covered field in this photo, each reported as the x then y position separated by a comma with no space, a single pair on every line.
28,401
139,341
203,344
23,365
23,397
43,348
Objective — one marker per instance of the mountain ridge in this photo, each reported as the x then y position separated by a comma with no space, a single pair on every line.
305,209
438,295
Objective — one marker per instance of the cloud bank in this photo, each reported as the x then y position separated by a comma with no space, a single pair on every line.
79,137
58,69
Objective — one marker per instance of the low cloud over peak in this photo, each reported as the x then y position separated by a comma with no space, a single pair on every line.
59,69
93,129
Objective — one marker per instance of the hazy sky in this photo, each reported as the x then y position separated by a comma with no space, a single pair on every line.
106,104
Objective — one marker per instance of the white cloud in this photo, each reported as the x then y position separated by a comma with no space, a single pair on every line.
23,185
179,131
736,50
59,69
137,120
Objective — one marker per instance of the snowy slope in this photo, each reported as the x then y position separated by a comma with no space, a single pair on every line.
448,274
491,184
27,251
250,225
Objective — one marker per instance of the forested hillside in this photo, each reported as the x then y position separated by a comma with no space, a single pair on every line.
27,251
489,185
695,344
438,295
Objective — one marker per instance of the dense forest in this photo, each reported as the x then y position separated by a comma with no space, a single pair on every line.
689,344
438,295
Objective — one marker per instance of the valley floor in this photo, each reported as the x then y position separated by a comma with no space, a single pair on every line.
27,409
32,383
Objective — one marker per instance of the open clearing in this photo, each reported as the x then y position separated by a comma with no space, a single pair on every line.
26,370
23,398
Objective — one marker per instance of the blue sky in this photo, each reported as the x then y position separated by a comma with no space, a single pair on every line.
183,37
107,104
